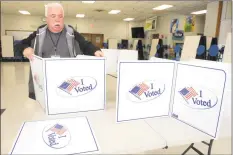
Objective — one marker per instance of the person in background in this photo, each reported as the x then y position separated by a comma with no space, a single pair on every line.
140,50
55,39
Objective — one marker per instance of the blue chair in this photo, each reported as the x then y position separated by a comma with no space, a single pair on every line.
201,52
105,45
177,51
213,52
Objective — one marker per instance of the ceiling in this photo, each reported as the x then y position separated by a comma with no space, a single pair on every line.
139,10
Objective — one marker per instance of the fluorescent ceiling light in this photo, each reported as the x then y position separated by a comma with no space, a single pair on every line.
114,11
89,2
199,12
162,7
128,19
80,15
24,12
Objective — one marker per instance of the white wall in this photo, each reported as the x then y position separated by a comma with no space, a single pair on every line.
12,22
134,24
163,27
226,21
211,19
163,24
110,29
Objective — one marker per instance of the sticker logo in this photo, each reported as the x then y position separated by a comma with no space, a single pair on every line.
76,86
56,136
37,81
146,91
198,98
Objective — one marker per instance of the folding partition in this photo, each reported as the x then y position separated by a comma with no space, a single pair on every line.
112,43
67,85
113,56
153,49
227,51
189,50
191,93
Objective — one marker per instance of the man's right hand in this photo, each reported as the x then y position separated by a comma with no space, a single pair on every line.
28,52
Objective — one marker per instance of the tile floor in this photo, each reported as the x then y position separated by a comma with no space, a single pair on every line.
19,108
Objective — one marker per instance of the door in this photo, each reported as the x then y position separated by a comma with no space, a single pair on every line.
97,40
87,36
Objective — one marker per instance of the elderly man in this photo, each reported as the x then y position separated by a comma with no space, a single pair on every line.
55,39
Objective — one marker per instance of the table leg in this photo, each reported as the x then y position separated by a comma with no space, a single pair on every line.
198,151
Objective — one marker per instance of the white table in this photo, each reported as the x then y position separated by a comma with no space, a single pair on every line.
137,136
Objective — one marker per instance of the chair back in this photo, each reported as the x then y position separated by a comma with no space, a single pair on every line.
200,50
213,51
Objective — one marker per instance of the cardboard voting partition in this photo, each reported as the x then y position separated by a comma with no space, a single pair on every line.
143,89
39,81
128,55
208,42
113,56
227,50
112,43
69,85
153,49
197,92
198,97
135,44
191,44
60,136
225,116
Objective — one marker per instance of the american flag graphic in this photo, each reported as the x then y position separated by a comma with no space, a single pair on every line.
188,92
69,85
58,129
138,90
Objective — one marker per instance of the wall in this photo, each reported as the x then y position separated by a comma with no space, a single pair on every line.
226,22
110,29
134,24
211,19
163,27
12,22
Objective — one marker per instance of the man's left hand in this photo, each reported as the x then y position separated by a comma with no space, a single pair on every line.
99,54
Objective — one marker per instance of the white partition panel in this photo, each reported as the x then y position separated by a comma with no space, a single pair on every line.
198,97
225,121
59,136
227,50
143,89
111,56
72,84
112,43
208,42
128,55
37,69
153,47
135,43
190,47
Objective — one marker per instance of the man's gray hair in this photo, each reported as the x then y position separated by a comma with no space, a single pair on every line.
51,5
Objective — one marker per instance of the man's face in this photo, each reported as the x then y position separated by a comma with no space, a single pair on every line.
55,19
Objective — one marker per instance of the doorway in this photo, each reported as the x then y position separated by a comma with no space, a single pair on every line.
95,39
